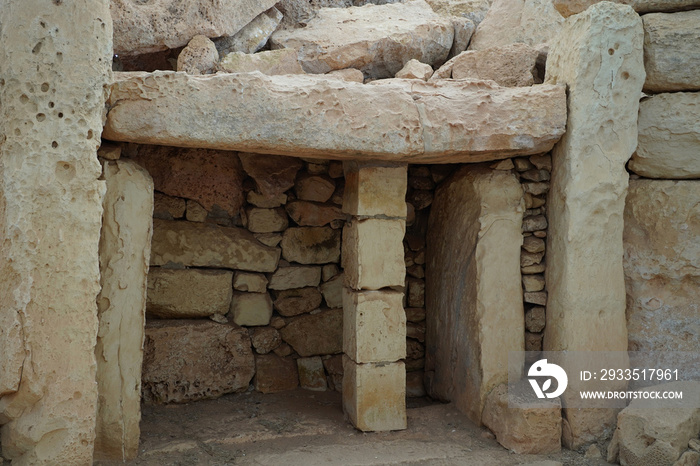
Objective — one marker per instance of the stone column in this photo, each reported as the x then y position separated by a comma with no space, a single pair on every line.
125,252
374,322
55,64
599,57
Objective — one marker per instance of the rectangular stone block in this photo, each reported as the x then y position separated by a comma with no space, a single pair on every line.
374,395
374,326
373,255
188,293
373,190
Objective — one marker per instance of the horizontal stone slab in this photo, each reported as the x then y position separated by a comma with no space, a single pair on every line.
572,7
396,120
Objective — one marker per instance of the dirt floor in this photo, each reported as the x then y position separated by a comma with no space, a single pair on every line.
308,428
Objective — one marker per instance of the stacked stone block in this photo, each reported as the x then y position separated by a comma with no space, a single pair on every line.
374,387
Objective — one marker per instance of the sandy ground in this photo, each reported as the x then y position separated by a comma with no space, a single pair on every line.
308,428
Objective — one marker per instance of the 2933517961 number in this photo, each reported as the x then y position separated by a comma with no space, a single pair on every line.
639,374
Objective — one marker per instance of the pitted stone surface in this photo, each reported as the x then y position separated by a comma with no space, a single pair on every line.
572,7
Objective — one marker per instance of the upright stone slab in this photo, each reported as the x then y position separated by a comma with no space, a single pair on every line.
474,306
55,65
374,323
125,249
601,61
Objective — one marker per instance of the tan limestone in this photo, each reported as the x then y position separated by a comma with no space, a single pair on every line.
266,220
474,302
311,374
199,57
167,207
315,334
374,326
397,120
414,69
268,62
253,282
311,245
275,374
206,245
52,89
125,245
188,293
332,291
314,188
265,339
374,395
669,136
671,55
347,74
572,7
251,309
311,214
295,276
273,174
474,10
586,201
253,36
662,265
372,190
141,27
373,253
509,65
293,302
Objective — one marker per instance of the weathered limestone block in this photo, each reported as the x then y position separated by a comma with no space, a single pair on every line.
293,302
313,215
311,374
372,190
374,326
125,246
315,334
347,74
662,265
509,65
275,374
340,38
167,24
207,245
273,174
414,69
188,293
253,36
533,428
332,291
266,220
572,7
531,22
396,120
167,207
210,177
586,303
374,395
311,245
669,136
188,360
265,339
314,188
671,55
474,302
295,276
373,253
50,218
659,435
268,62
199,57
251,309
253,282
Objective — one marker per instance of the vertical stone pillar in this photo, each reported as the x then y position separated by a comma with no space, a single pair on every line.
55,65
374,322
599,57
125,252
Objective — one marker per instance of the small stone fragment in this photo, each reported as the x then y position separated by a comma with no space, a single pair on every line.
528,258
311,374
195,212
533,283
168,207
253,282
295,276
266,220
533,244
539,298
332,291
315,334
314,188
253,36
535,319
297,301
413,69
538,222
199,57
251,309
311,245
265,339
349,75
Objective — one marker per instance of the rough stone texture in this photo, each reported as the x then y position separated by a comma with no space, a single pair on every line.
662,265
474,10
535,319
251,309
339,38
572,7
661,435
253,282
413,69
168,207
311,374
669,137
286,278
291,303
125,245
332,291
310,214
464,30
531,429
372,190
266,220
531,22
374,326
273,174
314,188
253,36
188,293
275,374
374,395
141,27
315,334
509,65
396,119
206,245
671,55
265,339
373,255
348,74
199,57
474,304
210,177
311,245
50,218
268,62
188,360
588,189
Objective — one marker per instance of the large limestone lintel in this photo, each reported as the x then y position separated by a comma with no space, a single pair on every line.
396,120
474,303
125,249
52,89
601,62
572,7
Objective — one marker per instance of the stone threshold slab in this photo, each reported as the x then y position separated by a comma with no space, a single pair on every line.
314,116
